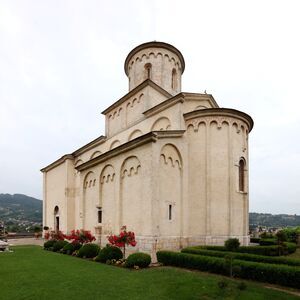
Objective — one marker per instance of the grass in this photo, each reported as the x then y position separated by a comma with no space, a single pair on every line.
32,273
295,254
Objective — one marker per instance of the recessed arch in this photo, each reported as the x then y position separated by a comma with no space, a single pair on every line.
170,190
130,166
107,174
90,176
131,188
136,133
171,154
162,123
114,144
96,153
78,162
107,205
200,107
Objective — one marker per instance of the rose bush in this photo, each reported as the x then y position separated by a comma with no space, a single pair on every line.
124,238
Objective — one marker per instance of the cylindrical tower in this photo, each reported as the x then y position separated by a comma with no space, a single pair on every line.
160,62
218,174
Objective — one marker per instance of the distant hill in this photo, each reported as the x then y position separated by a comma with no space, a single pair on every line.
269,220
19,208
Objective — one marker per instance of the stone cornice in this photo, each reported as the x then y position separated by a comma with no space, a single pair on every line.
150,137
181,97
100,140
57,162
154,44
220,112
197,96
147,82
163,105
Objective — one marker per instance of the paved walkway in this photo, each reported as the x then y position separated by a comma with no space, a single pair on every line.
26,241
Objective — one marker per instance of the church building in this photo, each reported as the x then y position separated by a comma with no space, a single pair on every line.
172,166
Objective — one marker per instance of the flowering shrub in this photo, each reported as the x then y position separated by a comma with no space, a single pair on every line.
80,237
123,239
54,235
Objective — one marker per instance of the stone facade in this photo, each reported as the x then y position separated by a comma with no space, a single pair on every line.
172,166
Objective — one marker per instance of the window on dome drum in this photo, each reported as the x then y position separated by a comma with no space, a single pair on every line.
170,212
100,215
148,70
242,175
174,79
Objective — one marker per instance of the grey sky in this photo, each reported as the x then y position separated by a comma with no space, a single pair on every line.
61,64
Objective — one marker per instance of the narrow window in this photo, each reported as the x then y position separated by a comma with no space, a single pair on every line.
148,71
56,218
99,215
174,79
170,212
242,175
57,224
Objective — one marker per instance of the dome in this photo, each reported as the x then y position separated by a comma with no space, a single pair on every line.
160,62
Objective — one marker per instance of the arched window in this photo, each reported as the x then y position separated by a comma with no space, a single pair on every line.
242,175
174,79
148,70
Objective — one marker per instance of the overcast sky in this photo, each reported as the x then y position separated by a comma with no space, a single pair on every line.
61,64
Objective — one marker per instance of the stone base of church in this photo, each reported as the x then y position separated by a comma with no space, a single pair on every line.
151,245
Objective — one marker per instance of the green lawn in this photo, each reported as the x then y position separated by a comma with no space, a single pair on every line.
32,273
296,254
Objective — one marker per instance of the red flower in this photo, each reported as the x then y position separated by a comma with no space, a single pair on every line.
124,238
80,237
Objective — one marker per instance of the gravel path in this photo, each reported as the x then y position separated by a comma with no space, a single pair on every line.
26,241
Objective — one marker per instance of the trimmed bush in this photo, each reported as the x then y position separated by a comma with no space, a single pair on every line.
49,244
58,245
277,274
268,242
139,259
232,244
70,248
109,253
259,250
244,256
88,250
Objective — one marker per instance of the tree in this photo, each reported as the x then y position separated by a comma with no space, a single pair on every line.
124,238
281,238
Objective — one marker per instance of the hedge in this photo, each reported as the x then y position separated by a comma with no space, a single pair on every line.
254,240
244,256
276,274
267,242
259,250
